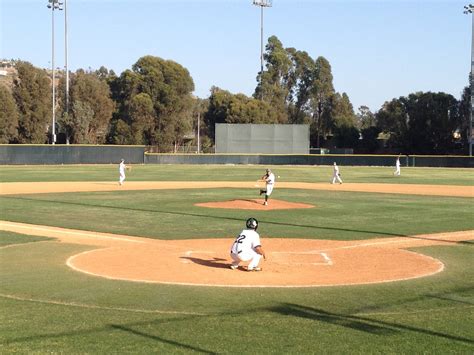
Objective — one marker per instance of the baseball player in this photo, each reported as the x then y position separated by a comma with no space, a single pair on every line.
336,175
397,167
247,247
269,179
122,168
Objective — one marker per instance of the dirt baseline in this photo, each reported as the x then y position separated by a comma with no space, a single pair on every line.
205,262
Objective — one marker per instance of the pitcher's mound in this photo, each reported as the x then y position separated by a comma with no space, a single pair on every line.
255,204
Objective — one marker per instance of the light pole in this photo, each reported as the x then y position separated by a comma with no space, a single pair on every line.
65,57
469,9
53,5
262,4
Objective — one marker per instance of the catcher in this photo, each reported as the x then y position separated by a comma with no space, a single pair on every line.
269,179
246,247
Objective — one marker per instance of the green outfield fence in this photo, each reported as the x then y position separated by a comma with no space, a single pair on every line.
30,154
311,159
25,154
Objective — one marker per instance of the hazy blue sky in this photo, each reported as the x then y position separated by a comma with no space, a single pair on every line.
378,49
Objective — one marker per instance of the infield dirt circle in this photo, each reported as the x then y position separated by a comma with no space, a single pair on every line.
205,262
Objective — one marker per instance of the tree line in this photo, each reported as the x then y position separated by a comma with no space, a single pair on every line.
152,104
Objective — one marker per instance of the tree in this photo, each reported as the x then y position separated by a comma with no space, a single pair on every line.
302,84
92,109
365,118
32,93
392,119
273,83
142,117
120,132
169,86
8,116
321,92
422,123
344,124
225,107
434,119
465,117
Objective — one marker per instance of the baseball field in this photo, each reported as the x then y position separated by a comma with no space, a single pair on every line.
379,264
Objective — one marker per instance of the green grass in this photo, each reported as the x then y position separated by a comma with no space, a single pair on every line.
171,214
430,315
10,238
436,176
46,307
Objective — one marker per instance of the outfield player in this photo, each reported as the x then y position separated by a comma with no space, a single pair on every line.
336,175
246,247
397,167
269,179
122,168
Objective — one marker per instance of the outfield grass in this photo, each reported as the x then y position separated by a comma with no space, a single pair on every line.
46,307
436,176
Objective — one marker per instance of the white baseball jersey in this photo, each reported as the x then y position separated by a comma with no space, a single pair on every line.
270,182
122,168
270,179
247,241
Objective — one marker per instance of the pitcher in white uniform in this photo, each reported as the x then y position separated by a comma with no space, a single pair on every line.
247,247
269,179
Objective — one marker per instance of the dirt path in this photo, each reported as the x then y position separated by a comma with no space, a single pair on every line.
48,187
205,262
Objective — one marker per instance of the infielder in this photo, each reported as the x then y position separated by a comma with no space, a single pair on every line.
247,247
269,179
336,175
122,168
397,167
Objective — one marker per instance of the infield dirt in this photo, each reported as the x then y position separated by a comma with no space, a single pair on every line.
205,262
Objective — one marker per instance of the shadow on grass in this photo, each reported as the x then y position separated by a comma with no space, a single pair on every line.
451,295
353,322
180,213
358,323
160,339
126,328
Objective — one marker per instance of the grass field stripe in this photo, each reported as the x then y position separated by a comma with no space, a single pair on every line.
430,310
83,305
27,243
401,240
65,231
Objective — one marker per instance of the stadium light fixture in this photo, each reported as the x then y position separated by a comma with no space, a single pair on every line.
469,9
262,4
66,57
53,5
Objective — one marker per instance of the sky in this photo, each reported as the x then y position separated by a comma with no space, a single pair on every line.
378,49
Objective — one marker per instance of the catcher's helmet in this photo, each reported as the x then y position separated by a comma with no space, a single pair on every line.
252,223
